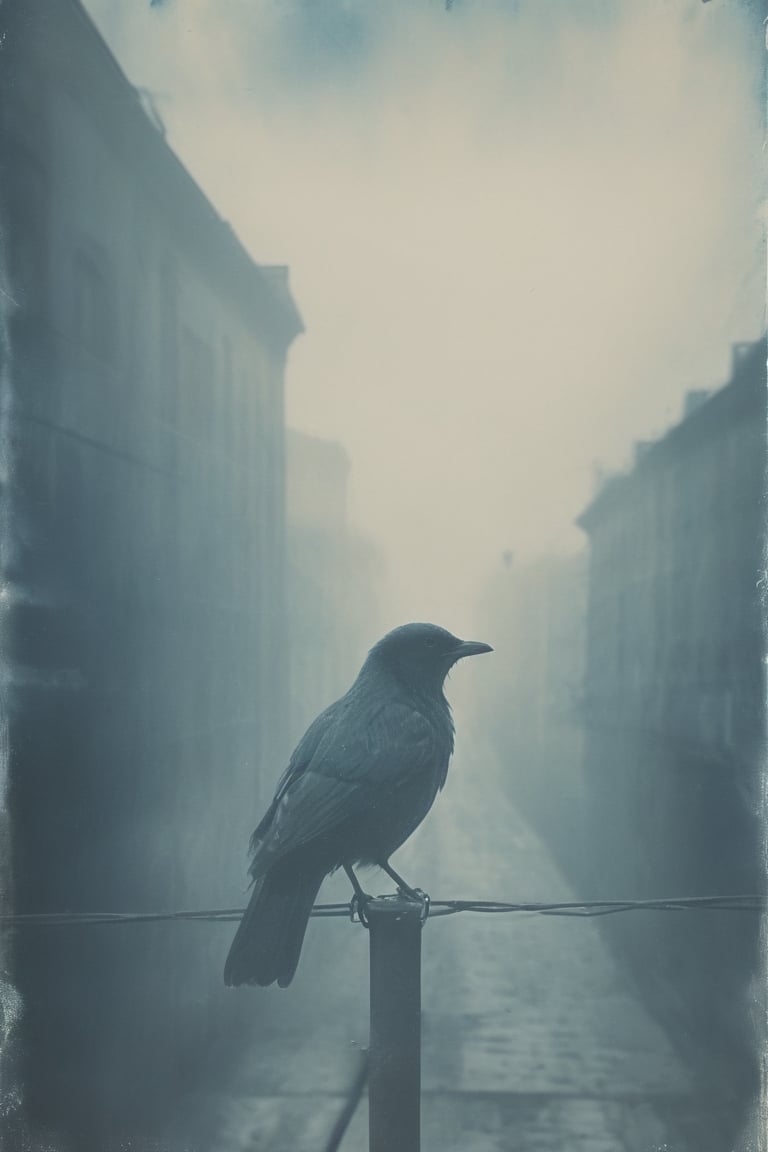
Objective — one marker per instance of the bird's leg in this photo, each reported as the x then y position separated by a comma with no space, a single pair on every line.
360,898
406,890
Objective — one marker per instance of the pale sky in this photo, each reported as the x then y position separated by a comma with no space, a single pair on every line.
517,233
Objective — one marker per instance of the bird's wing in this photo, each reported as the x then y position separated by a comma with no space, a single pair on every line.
355,762
297,765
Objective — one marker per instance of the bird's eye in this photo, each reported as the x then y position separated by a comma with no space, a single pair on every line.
430,643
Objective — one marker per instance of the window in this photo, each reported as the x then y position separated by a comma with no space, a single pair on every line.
165,344
28,229
224,400
196,385
95,317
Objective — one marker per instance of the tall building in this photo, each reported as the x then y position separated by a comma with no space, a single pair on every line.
335,578
674,709
146,682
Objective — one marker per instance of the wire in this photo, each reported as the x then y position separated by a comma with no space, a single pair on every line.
586,908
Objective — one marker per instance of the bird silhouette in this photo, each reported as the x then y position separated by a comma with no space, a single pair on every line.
360,781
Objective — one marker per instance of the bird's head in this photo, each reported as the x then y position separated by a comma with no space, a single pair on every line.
422,655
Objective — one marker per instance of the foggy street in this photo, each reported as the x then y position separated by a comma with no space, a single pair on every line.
532,1037
339,342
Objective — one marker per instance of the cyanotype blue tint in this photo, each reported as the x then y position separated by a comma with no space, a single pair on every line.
316,319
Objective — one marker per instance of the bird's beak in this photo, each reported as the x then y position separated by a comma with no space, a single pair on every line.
470,648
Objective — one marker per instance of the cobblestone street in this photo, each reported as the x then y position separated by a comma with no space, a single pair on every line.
533,1038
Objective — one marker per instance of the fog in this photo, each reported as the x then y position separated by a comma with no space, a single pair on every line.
517,233
490,352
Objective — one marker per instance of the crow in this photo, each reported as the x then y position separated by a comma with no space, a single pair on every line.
360,781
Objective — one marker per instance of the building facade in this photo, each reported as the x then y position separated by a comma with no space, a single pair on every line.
335,578
144,577
673,699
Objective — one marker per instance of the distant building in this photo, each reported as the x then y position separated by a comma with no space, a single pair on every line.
534,610
673,695
334,578
147,628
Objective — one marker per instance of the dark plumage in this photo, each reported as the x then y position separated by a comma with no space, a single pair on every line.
361,780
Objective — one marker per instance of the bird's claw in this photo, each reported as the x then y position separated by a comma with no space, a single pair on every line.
357,910
420,897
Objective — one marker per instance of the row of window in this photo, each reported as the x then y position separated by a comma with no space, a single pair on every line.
196,389
99,325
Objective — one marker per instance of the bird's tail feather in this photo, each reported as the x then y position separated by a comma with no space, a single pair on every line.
268,941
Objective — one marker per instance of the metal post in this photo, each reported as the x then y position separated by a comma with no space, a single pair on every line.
394,1060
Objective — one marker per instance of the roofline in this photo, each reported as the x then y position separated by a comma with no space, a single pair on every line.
704,417
282,321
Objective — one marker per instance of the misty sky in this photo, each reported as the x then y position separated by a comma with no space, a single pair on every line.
517,231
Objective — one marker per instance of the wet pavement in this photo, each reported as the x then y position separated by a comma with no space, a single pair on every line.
533,1039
